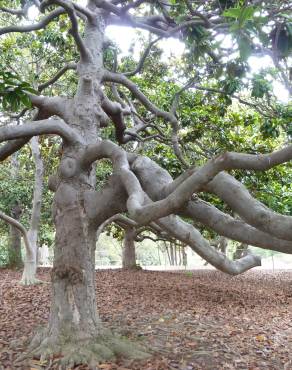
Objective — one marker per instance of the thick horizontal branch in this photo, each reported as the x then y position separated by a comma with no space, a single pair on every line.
171,224
232,228
208,215
50,126
12,146
50,106
249,209
180,193
189,235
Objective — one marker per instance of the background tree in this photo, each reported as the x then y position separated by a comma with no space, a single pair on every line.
137,185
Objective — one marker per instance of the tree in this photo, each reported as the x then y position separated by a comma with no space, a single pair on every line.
129,251
30,264
30,237
14,249
137,185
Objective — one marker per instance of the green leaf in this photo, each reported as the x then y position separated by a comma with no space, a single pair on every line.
232,13
247,14
245,48
25,100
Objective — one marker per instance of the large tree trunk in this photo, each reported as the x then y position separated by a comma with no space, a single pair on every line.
75,330
129,252
73,275
14,249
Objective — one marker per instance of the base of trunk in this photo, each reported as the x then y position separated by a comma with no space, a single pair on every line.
133,267
29,274
71,350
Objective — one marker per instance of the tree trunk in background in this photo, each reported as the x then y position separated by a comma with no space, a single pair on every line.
14,249
30,264
175,254
171,254
184,256
129,252
240,251
223,244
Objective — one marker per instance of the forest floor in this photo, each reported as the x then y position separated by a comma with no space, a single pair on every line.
191,320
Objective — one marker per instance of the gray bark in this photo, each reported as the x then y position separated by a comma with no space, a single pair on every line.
129,251
30,264
14,248
16,224
240,251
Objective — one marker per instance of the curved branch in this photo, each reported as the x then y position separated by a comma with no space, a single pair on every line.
52,126
203,175
116,112
169,117
189,235
22,229
11,147
33,27
123,80
57,76
258,235
70,10
232,228
142,59
249,209
175,227
18,12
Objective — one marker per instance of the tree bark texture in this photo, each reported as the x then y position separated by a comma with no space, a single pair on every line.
129,251
30,263
14,249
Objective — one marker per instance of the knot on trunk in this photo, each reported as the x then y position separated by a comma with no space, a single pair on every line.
71,273
68,167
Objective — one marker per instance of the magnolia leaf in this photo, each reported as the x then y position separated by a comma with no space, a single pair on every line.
245,48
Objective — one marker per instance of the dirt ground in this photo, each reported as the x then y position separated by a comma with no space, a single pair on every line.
190,320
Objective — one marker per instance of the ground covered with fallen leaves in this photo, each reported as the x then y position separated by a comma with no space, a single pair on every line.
190,320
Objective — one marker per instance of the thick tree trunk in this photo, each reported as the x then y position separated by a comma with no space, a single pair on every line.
129,252
14,249
73,275
75,330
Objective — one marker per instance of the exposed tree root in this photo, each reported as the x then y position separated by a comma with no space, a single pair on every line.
91,352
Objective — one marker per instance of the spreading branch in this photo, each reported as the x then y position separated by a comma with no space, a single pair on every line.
29,129
33,27
22,229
